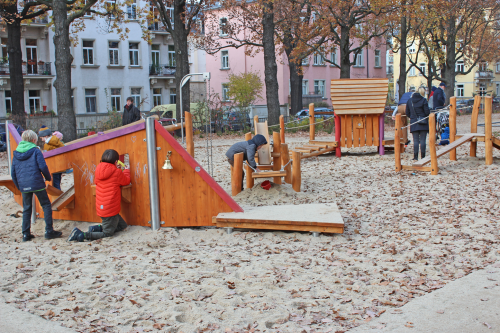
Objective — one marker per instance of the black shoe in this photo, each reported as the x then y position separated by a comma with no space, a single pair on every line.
76,235
407,143
28,237
53,234
95,228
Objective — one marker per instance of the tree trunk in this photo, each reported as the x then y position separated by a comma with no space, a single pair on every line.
270,66
402,61
449,72
181,58
345,61
295,88
16,72
429,77
63,60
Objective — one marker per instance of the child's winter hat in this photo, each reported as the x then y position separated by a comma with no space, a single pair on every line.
58,135
44,131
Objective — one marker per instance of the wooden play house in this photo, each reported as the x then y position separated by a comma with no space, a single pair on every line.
456,140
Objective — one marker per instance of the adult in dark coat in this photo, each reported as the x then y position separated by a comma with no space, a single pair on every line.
418,108
439,97
130,112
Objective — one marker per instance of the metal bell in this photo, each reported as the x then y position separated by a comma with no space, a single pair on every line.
168,165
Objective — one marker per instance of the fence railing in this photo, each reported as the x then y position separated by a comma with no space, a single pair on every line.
161,70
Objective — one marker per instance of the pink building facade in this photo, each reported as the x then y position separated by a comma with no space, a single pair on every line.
371,63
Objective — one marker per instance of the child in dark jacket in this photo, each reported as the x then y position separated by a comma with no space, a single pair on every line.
28,166
108,180
445,136
51,142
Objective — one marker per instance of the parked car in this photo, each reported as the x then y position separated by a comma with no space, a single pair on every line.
495,100
235,121
304,113
3,147
3,137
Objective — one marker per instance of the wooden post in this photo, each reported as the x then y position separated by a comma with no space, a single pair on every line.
276,159
397,146
255,122
285,158
189,133
282,129
296,176
473,124
381,149
453,126
249,172
237,175
312,128
488,140
338,133
432,144
248,136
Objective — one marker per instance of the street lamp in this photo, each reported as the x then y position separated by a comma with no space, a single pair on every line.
185,79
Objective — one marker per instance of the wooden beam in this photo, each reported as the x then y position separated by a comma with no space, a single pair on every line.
317,153
453,126
285,158
416,168
282,128
249,174
296,174
189,133
248,136
488,131
328,143
312,127
237,176
432,144
9,183
473,123
53,191
291,227
171,128
277,159
64,200
269,174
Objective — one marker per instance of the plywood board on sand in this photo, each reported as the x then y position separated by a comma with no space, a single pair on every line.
307,217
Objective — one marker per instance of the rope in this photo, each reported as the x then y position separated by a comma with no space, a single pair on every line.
495,122
437,112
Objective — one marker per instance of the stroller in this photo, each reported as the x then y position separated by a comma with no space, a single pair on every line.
442,118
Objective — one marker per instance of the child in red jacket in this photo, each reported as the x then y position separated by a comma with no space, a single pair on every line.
108,180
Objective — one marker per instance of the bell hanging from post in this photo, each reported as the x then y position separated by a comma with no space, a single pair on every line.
168,165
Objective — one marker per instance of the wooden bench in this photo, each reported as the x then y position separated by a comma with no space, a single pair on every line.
360,105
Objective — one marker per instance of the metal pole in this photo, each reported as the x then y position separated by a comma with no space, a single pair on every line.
154,201
7,142
182,112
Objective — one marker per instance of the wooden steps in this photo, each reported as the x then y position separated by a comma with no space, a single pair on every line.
465,138
9,183
51,190
268,174
306,217
126,192
65,200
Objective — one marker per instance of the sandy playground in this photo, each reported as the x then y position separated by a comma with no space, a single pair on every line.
407,234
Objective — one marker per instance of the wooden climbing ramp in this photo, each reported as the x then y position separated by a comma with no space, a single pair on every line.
307,217
188,195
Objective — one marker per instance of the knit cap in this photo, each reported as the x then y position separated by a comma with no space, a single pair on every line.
44,131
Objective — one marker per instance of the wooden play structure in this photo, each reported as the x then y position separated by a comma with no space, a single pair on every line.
456,140
187,195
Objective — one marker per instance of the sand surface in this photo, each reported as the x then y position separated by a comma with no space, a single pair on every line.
407,234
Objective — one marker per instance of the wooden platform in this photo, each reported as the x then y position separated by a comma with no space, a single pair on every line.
307,217
65,200
9,183
316,148
465,138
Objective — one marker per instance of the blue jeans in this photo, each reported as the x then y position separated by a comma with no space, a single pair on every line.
419,141
56,180
44,200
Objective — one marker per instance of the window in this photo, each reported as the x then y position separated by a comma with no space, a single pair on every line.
31,56
482,89
224,59
132,10
460,66
318,60
157,96
305,61
133,50
460,90
8,101
135,93
225,92
319,87
378,63
305,87
334,57
497,67
90,100
422,67
171,56
412,71
359,59
483,66
88,52
173,96
498,90
116,99
34,101
4,53
111,7
411,49
88,13
155,54
114,54
223,26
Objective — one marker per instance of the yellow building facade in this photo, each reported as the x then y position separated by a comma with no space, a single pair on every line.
484,77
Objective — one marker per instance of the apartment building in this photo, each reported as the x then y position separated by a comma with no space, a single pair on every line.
105,70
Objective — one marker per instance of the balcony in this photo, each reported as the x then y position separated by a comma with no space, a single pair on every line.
158,26
484,75
161,70
30,68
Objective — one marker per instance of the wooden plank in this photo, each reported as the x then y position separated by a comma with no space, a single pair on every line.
277,159
269,174
416,168
291,227
355,132
105,132
172,128
342,105
369,130
362,131
380,90
348,133
296,171
496,143
367,94
51,190
64,199
473,123
359,111
9,183
320,152
388,142
303,149
327,143
265,166
363,98
360,81
285,158
442,151
314,147
375,124
343,125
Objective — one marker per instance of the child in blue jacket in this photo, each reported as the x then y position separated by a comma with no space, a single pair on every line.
445,135
28,165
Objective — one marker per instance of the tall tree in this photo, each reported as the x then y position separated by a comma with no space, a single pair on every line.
14,14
